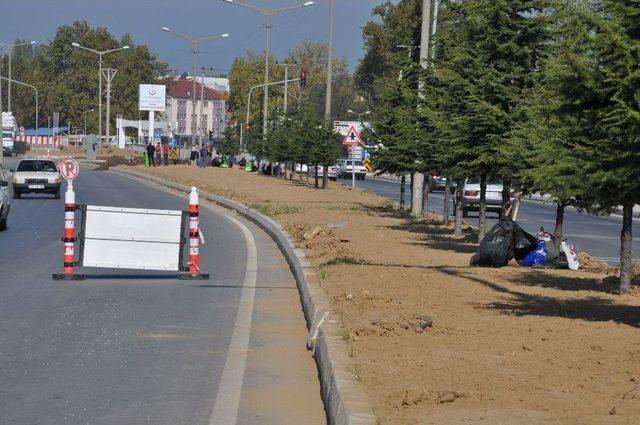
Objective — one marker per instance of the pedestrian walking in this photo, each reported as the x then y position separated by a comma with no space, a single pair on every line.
158,155
165,153
193,158
151,152
203,157
173,155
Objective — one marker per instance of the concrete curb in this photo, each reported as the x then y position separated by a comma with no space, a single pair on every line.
344,400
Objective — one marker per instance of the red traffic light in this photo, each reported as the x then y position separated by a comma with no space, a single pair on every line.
303,78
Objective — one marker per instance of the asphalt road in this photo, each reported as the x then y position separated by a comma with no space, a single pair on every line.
151,350
597,235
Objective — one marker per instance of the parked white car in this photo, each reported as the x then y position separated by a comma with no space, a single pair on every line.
4,200
36,176
471,200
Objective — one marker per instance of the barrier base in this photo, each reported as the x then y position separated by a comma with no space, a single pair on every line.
193,276
68,276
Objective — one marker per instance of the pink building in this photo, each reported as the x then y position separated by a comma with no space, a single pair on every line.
181,116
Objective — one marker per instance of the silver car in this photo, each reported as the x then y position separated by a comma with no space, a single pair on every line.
4,200
471,201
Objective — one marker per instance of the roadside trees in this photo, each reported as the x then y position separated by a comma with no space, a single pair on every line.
595,77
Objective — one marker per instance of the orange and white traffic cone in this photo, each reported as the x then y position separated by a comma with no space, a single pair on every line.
69,238
194,239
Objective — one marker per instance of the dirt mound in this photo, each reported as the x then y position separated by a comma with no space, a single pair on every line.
114,161
590,264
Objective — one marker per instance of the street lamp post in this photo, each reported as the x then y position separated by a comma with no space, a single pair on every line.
267,13
100,53
353,149
195,42
85,121
9,49
37,107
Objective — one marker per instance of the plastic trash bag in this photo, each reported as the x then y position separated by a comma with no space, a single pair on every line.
571,253
506,240
537,256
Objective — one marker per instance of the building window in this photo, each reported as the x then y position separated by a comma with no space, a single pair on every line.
205,104
204,121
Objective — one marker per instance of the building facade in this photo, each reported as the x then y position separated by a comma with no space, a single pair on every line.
182,116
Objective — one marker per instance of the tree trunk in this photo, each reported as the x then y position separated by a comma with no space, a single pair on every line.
626,240
506,199
325,177
403,179
557,230
459,200
315,170
482,213
426,188
447,201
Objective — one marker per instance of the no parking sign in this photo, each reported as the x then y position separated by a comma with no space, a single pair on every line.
69,169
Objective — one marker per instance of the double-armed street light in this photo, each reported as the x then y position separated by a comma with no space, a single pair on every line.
195,42
267,13
100,53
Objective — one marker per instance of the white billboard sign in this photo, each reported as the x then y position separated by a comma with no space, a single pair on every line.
152,97
128,238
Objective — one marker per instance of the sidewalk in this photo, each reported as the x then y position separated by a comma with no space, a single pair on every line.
434,338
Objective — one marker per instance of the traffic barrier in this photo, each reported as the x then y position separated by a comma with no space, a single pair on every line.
69,238
194,236
128,238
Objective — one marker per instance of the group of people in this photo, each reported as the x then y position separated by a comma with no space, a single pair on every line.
161,154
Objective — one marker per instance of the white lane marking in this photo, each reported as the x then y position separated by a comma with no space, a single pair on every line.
225,408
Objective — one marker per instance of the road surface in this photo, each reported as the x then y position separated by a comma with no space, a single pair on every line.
597,235
155,350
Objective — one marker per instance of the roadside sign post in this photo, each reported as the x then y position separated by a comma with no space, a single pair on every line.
352,140
69,169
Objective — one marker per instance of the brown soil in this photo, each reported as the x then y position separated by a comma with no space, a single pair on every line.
437,341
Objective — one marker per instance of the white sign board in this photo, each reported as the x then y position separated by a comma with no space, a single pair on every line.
152,97
128,238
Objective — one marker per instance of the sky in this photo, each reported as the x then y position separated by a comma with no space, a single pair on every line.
38,19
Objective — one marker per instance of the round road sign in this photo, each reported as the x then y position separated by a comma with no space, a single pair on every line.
69,168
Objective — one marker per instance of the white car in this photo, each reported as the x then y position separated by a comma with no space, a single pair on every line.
332,174
4,200
471,201
345,167
36,176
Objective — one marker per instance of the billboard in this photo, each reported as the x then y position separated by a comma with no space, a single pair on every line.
152,97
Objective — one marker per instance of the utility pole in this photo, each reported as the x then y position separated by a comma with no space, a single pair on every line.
286,83
327,97
200,126
108,73
418,178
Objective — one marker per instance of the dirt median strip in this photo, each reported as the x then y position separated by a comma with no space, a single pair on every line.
432,340
345,403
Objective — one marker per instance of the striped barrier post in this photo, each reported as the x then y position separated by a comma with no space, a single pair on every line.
194,233
194,239
69,238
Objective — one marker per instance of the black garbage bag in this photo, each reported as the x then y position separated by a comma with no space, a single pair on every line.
506,240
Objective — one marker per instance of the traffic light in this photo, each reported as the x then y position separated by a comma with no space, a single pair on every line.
247,127
303,78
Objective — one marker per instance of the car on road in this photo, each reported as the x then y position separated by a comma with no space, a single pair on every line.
4,199
345,169
36,176
439,183
332,174
471,200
